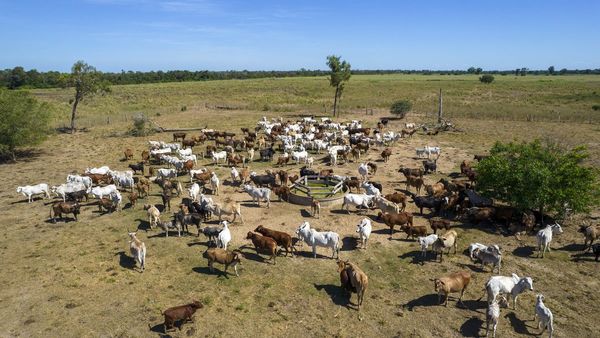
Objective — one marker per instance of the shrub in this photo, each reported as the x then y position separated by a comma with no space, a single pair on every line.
487,78
140,126
401,108
596,107
183,108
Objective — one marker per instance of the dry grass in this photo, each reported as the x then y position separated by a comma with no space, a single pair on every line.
74,279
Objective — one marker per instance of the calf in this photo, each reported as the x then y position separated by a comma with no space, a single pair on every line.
414,231
153,214
454,282
133,197
60,208
138,250
128,154
414,181
398,198
392,220
544,237
263,244
364,231
315,207
224,257
544,315
281,238
439,223
181,313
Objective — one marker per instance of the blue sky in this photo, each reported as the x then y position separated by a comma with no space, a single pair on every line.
282,35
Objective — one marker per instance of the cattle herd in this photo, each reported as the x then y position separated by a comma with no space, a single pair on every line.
300,142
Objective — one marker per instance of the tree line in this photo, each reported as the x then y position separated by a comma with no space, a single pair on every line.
18,77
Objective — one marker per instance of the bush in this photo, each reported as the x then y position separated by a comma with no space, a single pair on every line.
487,78
23,121
401,108
140,126
596,107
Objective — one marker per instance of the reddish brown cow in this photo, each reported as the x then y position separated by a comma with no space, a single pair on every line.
181,313
263,244
283,239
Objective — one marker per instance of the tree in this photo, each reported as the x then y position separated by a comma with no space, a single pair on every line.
23,121
517,71
524,71
17,78
471,70
551,70
478,71
87,81
538,176
487,78
563,71
400,108
338,76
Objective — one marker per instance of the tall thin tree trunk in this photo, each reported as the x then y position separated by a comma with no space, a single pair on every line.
73,113
335,99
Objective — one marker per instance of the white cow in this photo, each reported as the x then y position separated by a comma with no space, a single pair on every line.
30,190
235,175
482,247
357,200
184,152
544,315
258,194
116,198
314,238
298,156
544,237
310,161
224,236
513,286
364,231
425,242
432,150
194,192
63,189
166,173
215,183
363,171
100,171
138,250
370,189
99,192
218,155
87,181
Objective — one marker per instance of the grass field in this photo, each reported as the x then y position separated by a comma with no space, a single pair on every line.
75,279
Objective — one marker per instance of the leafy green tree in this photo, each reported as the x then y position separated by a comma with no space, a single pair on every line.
87,81
478,71
23,121
538,176
551,70
487,78
523,71
517,71
401,108
471,70
563,71
338,76
17,78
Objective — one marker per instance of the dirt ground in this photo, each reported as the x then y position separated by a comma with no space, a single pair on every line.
75,279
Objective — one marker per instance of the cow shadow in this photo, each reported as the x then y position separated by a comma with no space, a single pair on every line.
524,251
305,213
587,256
307,253
475,305
60,220
33,199
424,301
250,204
252,255
416,257
143,224
518,324
336,293
340,212
160,329
126,262
471,327
472,267
572,247
205,270
349,243
383,231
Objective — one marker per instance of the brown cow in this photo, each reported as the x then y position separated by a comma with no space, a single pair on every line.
181,313
385,154
145,156
398,198
392,220
177,136
59,208
263,244
128,154
283,239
